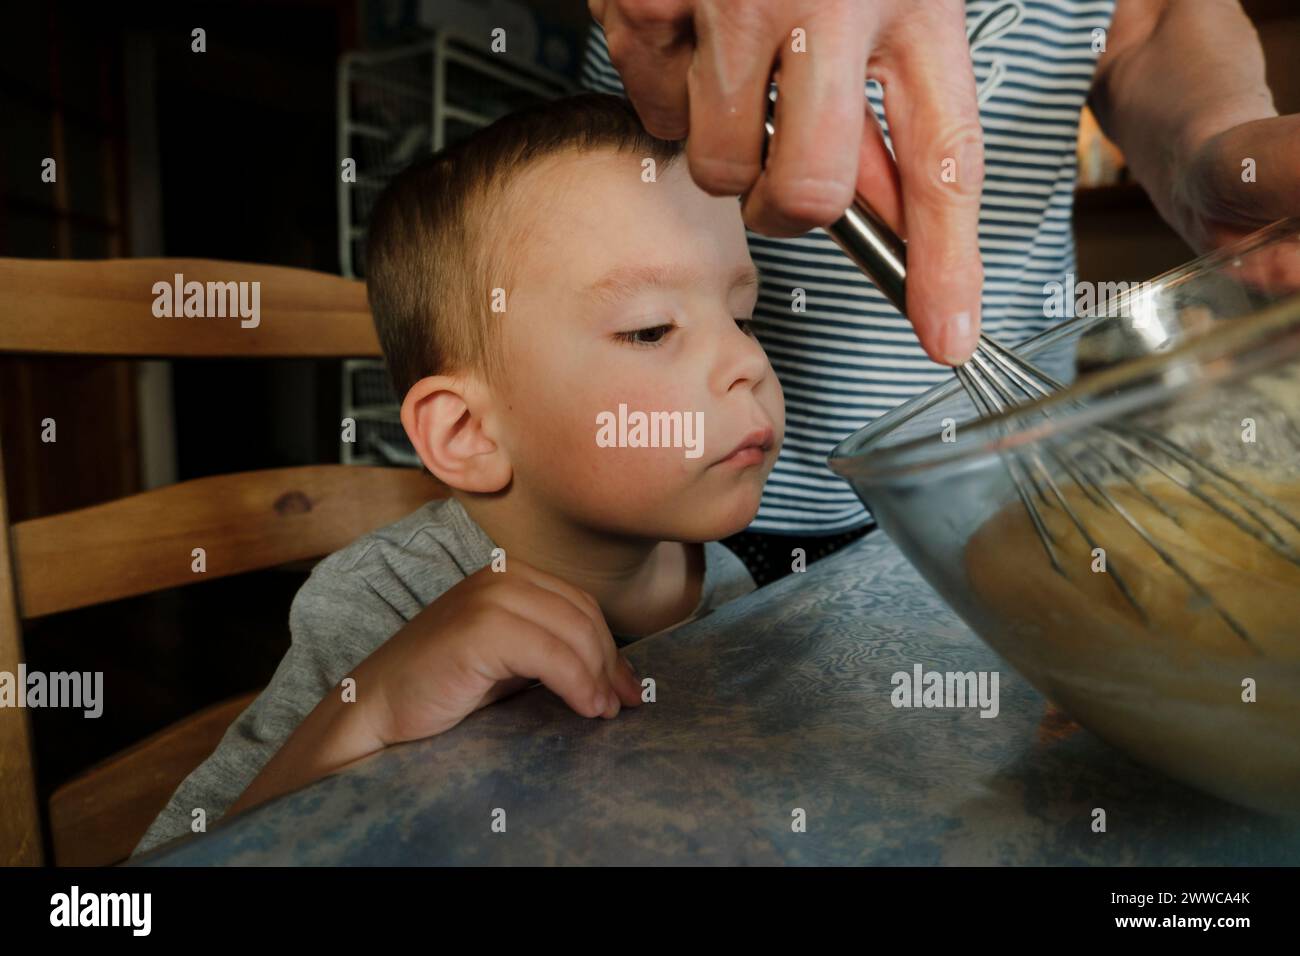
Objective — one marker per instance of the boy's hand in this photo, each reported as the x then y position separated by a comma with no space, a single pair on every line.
485,638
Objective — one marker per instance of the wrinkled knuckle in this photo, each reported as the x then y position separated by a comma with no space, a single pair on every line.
955,167
966,143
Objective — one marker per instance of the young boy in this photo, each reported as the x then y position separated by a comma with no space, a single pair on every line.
566,315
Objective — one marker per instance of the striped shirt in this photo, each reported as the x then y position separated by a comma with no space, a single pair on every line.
851,357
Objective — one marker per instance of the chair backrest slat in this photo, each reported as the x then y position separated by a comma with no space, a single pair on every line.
243,522
108,307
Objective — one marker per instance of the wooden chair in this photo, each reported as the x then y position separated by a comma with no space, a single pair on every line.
143,543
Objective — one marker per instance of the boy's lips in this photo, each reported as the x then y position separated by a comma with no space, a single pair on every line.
752,450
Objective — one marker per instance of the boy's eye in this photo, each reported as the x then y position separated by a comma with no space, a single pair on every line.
646,337
745,324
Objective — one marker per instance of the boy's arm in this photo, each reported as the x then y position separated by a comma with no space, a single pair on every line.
336,733
487,636
336,621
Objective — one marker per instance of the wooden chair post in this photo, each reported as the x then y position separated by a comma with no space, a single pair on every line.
20,821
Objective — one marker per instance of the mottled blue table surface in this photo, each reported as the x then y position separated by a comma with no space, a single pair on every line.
776,703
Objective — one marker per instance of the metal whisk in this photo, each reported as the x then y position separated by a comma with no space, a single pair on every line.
996,378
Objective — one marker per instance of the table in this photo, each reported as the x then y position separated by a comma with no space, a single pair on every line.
777,702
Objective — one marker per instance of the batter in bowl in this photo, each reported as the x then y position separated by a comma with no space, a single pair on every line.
1166,683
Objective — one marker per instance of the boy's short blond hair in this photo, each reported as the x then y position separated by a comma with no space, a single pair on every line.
442,232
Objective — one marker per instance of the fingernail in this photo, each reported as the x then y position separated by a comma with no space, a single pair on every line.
600,702
630,669
957,340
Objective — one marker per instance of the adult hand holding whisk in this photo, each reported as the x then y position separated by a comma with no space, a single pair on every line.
702,68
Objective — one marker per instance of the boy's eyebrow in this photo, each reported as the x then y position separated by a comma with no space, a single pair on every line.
619,284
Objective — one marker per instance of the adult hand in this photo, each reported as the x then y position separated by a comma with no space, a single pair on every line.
1239,180
1182,90
700,69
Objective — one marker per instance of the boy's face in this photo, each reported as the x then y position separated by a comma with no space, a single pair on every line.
628,293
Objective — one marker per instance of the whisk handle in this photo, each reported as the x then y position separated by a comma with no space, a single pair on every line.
863,235
875,248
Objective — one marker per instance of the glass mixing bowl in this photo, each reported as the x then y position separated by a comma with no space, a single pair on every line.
1157,598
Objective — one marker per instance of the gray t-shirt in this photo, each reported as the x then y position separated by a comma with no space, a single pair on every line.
354,600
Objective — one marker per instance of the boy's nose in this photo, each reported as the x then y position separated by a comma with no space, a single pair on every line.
741,362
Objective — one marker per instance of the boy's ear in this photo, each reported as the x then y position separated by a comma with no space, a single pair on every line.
444,418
